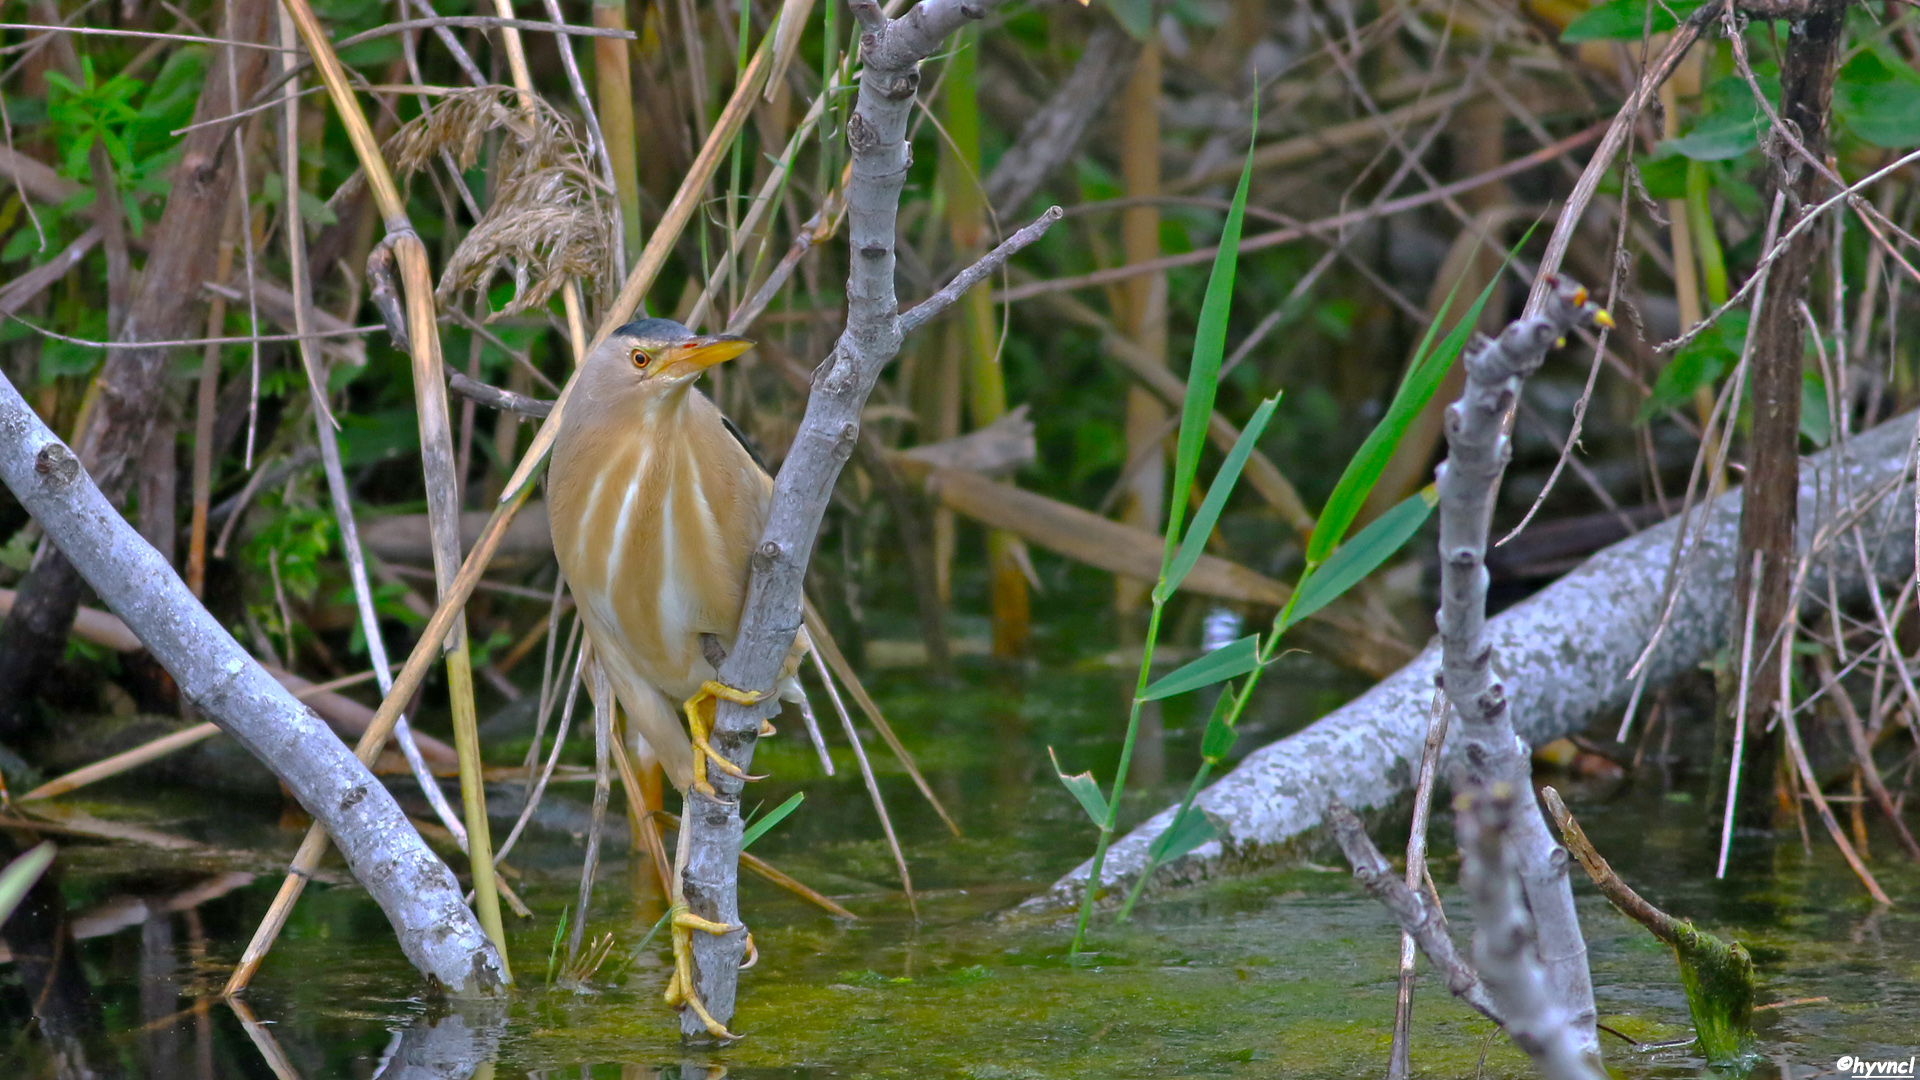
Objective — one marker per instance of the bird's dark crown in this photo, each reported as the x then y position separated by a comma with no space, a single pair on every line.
654,333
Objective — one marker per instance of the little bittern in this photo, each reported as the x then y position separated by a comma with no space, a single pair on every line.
656,506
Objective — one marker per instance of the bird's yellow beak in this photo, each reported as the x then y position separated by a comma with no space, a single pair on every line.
690,358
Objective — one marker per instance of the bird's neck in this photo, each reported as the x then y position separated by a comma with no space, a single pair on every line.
671,407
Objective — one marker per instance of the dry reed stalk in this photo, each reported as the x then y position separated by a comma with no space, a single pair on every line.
640,797
1399,1060
206,401
768,872
436,436
1144,315
750,224
1863,757
654,256
1803,769
873,786
135,757
836,663
977,336
601,690
443,509
613,72
301,293
262,1038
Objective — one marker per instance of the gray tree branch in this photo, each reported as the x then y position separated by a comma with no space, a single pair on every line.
416,890
1536,1017
891,50
1421,920
1478,450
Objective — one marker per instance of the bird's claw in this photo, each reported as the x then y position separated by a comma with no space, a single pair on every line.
680,989
700,716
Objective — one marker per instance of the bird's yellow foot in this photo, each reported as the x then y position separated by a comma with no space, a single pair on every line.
700,708
680,989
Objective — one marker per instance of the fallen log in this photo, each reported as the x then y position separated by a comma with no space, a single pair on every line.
1565,655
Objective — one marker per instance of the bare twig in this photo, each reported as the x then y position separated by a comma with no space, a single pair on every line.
1468,481
1399,1062
1863,757
1261,241
1798,753
1418,918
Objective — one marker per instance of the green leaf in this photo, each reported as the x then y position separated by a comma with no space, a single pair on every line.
1729,121
1085,788
1424,375
1664,174
1188,831
1815,424
1195,541
1878,101
1625,20
19,876
771,818
1220,735
1209,348
1226,662
1359,556
1700,363
1719,137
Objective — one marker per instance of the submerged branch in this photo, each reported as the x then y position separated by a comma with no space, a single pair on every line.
1418,919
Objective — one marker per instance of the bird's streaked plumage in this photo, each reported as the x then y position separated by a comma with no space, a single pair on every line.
655,508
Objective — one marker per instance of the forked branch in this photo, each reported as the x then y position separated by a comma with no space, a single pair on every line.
876,133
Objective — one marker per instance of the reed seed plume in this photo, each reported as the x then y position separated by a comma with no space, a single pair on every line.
550,217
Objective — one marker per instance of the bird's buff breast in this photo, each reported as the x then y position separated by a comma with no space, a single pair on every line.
653,527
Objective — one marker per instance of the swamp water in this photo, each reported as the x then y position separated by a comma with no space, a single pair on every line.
1285,974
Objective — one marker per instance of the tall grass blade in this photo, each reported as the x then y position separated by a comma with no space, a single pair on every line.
1227,662
1424,375
1195,542
773,817
1361,555
1209,348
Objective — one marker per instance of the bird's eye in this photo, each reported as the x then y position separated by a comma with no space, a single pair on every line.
640,358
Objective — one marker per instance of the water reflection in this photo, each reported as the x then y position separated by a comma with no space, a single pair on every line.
1287,974
50,986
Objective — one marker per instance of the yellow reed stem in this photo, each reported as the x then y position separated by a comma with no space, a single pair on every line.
613,77
436,437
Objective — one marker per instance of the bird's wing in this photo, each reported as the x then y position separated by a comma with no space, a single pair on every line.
746,444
